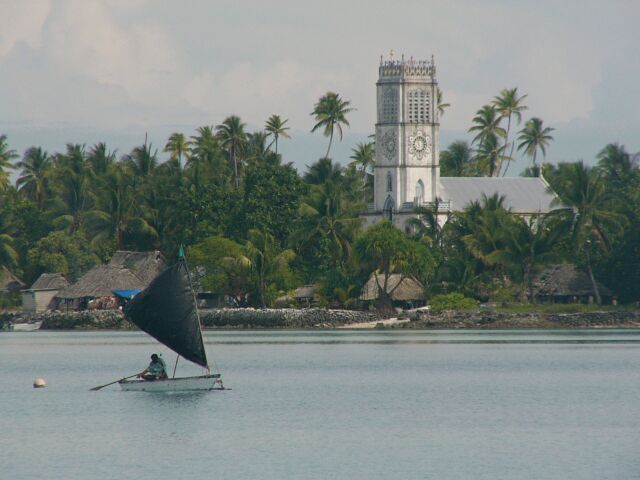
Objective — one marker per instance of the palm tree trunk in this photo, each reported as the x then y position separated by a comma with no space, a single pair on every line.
330,140
276,135
506,142
594,284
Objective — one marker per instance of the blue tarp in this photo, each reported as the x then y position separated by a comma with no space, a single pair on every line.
128,294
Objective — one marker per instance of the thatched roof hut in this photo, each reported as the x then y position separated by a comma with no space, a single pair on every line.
144,265
50,281
9,283
100,281
409,290
565,283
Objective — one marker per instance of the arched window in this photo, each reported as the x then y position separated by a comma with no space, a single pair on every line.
387,210
389,182
419,192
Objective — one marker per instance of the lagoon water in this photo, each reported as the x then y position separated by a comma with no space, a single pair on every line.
328,404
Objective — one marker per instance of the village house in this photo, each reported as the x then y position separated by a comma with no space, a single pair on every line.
126,271
42,294
564,283
405,291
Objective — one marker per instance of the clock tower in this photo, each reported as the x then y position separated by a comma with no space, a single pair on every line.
407,139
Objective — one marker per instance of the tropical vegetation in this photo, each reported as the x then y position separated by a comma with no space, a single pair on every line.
256,228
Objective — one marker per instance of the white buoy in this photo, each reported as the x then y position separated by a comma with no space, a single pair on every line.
39,383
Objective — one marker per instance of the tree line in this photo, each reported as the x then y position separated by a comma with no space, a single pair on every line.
256,228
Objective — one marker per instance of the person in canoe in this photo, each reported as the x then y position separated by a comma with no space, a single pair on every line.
157,369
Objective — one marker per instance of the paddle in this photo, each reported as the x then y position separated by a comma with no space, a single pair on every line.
119,380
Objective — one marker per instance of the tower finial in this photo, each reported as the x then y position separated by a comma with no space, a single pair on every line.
391,54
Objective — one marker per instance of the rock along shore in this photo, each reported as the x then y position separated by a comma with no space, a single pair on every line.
248,318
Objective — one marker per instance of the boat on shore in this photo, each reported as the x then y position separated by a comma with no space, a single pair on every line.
167,311
23,327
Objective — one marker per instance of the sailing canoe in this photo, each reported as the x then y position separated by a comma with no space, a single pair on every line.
181,384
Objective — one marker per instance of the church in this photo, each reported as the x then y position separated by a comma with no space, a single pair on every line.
407,168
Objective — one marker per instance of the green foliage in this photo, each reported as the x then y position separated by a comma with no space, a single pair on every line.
452,301
59,252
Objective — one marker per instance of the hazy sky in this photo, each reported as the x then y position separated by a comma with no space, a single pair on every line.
86,70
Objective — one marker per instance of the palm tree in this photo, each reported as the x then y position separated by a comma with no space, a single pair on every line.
6,156
330,113
525,246
206,161
440,105
178,147
100,158
364,157
457,160
490,155
116,213
8,254
276,126
36,173
324,170
584,213
233,139
615,164
142,160
326,216
266,259
487,125
508,105
534,137
73,177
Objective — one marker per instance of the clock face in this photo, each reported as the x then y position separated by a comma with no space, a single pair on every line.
419,145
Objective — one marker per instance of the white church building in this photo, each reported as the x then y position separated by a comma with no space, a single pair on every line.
407,168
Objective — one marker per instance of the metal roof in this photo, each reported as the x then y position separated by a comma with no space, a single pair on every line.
523,195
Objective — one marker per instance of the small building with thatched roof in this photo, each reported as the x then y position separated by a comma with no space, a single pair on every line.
99,283
405,291
144,265
564,283
305,295
125,271
9,283
42,294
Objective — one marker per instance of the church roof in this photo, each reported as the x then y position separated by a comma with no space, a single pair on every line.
523,195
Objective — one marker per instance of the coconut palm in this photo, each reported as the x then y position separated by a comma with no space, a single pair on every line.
457,160
509,105
117,209
488,129
233,139
324,170
35,176
584,213
486,124
6,156
142,160
178,147
8,254
533,138
330,113
440,105
266,259
73,184
364,157
100,158
276,126
490,155
616,164
325,216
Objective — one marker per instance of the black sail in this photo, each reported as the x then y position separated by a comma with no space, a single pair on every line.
167,311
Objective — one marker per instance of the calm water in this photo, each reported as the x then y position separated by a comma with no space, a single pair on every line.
328,404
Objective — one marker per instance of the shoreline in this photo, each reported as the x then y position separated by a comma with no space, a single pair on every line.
260,319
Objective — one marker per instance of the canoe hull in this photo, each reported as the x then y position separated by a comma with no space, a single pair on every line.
182,384
25,327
